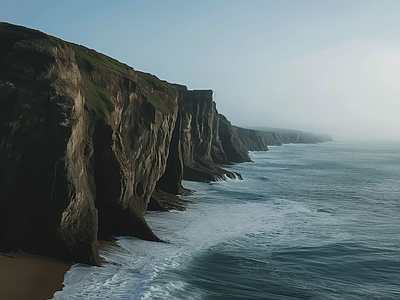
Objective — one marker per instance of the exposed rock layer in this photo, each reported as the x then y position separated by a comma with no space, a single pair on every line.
87,144
252,139
200,143
83,141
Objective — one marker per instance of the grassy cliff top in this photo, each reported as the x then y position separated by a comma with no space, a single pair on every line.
92,65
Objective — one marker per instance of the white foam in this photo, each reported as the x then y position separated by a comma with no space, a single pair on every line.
137,269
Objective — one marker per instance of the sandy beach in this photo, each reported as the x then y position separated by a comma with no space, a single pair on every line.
26,276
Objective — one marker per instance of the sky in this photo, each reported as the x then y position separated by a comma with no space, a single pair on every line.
321,66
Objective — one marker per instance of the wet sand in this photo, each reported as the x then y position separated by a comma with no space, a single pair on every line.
24,276
34,277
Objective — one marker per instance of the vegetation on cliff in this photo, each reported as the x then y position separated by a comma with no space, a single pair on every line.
86,142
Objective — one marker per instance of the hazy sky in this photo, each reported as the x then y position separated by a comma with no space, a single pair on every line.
321,66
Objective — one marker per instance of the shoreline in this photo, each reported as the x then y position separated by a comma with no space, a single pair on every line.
28,276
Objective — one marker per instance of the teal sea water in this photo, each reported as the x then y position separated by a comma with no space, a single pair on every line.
318,221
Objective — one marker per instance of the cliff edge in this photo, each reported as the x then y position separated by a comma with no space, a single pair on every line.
83,141
88,144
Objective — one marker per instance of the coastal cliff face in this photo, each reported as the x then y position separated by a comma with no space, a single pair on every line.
270,138
83,142
201,141
290,136
87,144
258,140
252,139
233,147
297,138
255,140
204,141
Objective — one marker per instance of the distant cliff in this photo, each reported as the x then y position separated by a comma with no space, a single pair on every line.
232,145
86,142
203,141
258,139
324,137
290,136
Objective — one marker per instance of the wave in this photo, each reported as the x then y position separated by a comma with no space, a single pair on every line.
305,230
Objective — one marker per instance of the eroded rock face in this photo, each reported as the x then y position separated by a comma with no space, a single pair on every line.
233,147
217,151
270,138
196,113
83,141
279,136
252,139
256,140
199,137
198,147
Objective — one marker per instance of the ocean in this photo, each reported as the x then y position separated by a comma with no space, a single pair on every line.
316,221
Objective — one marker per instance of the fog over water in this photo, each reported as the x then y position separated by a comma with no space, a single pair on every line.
322,66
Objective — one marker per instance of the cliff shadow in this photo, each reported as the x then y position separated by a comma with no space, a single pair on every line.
114,218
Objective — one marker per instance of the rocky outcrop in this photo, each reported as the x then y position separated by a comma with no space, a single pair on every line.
270,138
87,144
196,116
252,139
279,136
201,145
218,154
255,140
83,142
297,137
259,140
233,147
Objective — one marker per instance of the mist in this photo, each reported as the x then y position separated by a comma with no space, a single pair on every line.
351,92
329,67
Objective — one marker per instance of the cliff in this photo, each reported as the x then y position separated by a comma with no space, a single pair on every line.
87,144
83,141
200,145
270,138
255,140
290,136
196,149
232,145
252,139
260,139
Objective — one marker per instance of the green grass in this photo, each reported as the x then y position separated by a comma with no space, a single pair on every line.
100,73
100,99
152,80
101,61
158,103
152,87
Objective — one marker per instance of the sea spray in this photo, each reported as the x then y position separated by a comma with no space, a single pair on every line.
307,222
